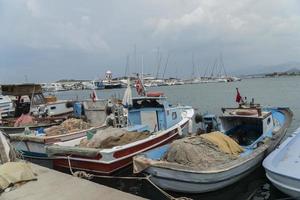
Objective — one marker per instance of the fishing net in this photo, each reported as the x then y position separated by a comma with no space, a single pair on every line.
111,137
200,152
68,126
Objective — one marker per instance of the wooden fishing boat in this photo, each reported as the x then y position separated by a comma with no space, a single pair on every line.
153,114
8,127
34,145
282,166
263,130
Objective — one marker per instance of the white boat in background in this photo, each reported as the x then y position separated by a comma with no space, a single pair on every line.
282,166
39,104
6,106
52,87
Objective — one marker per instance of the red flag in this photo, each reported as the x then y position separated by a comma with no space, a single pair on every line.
238,97
94,96
139,86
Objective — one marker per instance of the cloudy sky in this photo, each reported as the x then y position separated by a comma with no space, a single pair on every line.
46,40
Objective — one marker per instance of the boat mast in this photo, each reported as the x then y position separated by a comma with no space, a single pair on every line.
222,64
158,62
127,66
193,63
167,61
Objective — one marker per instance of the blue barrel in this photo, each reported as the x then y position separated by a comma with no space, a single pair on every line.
77,109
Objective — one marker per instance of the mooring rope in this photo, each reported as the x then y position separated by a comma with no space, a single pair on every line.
85,175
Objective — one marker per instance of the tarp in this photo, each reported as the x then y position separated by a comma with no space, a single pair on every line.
15,172
111,137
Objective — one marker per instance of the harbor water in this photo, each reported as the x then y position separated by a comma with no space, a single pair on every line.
211,97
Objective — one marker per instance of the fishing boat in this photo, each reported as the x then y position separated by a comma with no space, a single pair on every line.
7,125
39,104
282,166
151,114
260,130
34,143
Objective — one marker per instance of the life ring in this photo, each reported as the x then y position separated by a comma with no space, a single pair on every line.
246,112
155,94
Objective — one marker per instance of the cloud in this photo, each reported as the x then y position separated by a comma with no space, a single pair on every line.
99,34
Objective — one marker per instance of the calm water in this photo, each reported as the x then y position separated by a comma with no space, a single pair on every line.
210,98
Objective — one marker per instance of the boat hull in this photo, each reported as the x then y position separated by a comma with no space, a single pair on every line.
285,184
15,130
281,166
36,147
122,158
189,182
175,178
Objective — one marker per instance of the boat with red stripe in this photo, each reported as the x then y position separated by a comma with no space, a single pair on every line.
151,113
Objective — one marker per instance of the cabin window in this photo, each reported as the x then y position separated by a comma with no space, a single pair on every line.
53,107
147,103
174,115
269,121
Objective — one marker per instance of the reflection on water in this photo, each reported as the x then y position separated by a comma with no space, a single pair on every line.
210,98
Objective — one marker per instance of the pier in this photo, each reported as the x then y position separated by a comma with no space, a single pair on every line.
52,184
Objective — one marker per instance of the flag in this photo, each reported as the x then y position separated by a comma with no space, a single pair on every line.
94,96
139,87
238,97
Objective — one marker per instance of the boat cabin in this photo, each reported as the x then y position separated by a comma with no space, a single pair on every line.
247,126
154,112
24,93
32,95
211,123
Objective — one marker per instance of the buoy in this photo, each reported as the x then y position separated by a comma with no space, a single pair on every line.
155,94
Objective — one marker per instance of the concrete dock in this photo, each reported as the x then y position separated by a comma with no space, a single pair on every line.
52,184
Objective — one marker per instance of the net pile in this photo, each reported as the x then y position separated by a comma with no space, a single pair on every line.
68,126
112,137
199,152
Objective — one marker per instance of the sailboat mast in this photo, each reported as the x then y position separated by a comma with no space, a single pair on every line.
158,62
127,66
193,63
167,61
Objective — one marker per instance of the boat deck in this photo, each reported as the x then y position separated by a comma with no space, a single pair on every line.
288,159
56,185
